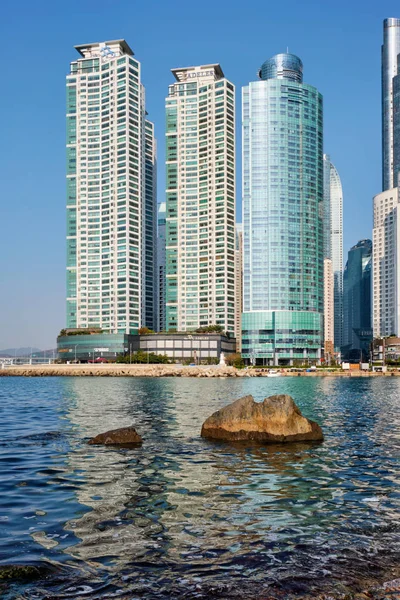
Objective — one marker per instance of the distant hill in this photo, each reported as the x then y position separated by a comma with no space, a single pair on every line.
11,352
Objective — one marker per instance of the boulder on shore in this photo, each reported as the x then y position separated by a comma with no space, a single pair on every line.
125,435
276,419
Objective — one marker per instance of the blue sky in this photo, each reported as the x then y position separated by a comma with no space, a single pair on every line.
338,42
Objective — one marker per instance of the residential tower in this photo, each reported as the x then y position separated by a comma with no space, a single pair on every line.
283,299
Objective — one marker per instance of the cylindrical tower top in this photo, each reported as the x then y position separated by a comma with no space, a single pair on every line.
282,66
391,22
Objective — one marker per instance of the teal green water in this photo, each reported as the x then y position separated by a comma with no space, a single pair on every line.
183,517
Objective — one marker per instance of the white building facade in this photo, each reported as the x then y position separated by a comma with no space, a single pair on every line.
238,285
161,299
333,241
328,304
200,200
385,264
111,183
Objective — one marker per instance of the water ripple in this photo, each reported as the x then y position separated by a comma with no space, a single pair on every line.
182,517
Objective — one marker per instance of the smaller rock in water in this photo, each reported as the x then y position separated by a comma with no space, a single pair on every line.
276,419
117,437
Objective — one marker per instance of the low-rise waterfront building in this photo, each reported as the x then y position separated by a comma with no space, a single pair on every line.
94,346
266,339
200,347
385,350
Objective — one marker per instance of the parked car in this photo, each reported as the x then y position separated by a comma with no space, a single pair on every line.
98,360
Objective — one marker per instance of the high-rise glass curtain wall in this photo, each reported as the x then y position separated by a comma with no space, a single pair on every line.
282,199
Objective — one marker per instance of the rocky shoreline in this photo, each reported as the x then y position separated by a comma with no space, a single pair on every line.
123,370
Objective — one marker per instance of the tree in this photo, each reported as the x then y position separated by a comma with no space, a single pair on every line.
234,360
141,357
145,331
210,329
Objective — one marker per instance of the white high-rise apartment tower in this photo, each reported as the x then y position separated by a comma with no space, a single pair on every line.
161,267
385,261
333,242
200,199
111,205
238,286
328,307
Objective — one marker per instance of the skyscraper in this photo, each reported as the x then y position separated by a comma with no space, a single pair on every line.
386,259
333,241
390,51
111,203
328,308
357,331
238,285
386,233
282,215
161,299
200,219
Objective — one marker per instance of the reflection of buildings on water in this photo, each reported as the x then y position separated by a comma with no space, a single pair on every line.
235,496
109,477
177,496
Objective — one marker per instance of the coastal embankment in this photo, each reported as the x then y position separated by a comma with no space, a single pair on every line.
123,370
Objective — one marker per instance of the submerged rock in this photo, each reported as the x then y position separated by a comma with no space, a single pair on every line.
123,436
276,419
20,572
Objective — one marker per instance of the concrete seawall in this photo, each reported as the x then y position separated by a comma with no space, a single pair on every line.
118,370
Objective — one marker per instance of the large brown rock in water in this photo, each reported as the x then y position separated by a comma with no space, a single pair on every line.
276,419
126,435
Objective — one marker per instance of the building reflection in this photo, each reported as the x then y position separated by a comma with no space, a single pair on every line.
178,498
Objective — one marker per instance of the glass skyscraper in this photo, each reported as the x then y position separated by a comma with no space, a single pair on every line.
390,52
386,230
111,202
357,330
200,220
282,215
333,241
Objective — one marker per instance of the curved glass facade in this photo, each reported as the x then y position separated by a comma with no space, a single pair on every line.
274,337
99,345
282,66
282,200
333,240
